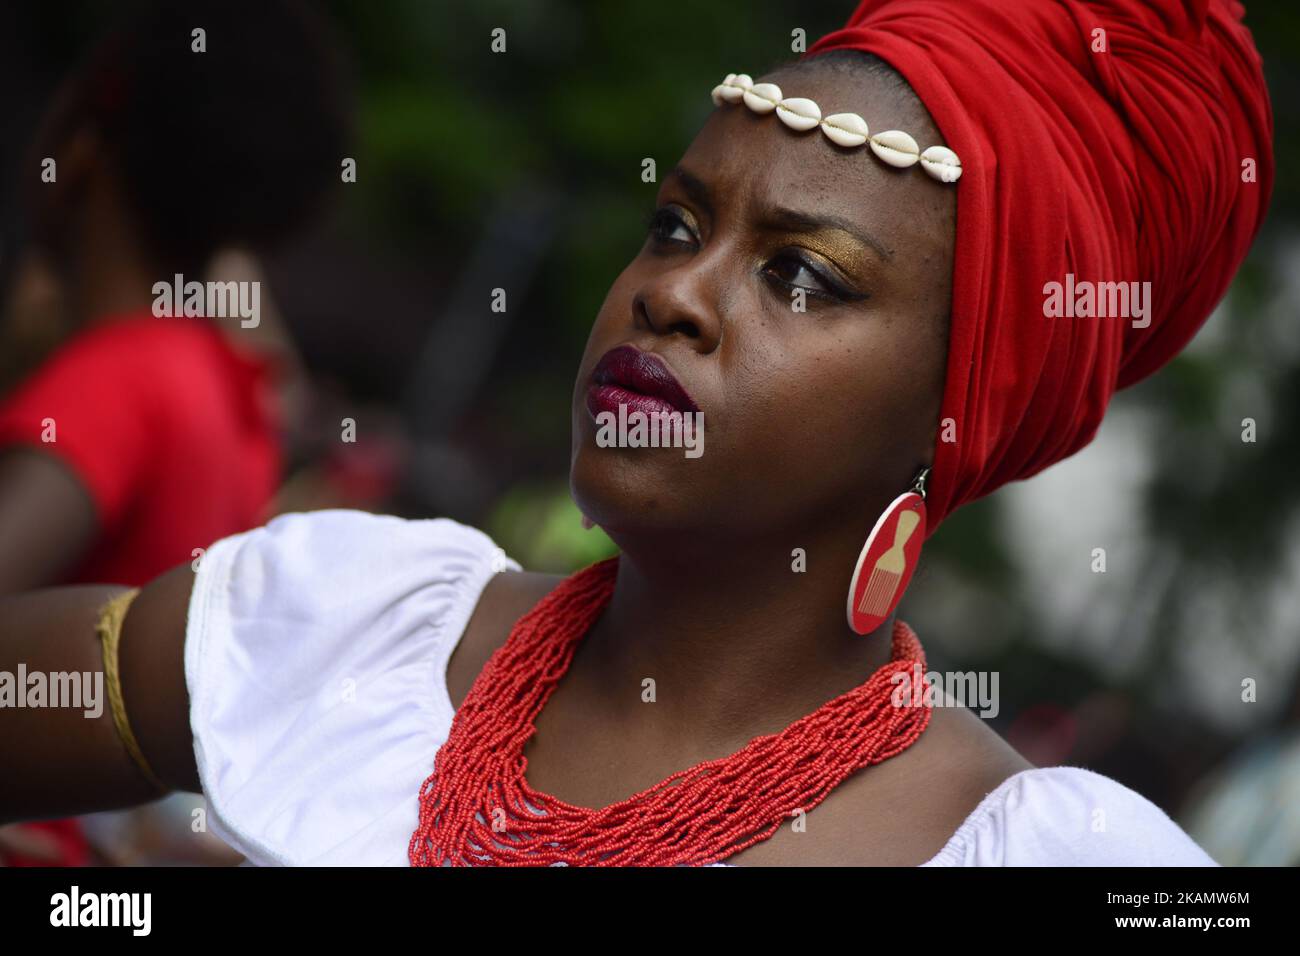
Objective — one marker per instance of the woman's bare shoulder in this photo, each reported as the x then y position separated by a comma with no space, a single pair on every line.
903,811
507,597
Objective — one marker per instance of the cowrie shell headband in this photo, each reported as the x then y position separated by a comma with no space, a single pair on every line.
893,146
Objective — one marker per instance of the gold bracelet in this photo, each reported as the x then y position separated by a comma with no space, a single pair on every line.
109,632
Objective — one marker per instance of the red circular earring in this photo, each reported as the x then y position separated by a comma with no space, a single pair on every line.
888,559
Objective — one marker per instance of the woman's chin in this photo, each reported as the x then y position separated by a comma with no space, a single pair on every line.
630,491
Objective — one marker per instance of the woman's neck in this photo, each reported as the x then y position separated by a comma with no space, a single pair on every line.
109,272
737,641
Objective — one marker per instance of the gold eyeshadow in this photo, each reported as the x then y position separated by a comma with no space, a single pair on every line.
851,257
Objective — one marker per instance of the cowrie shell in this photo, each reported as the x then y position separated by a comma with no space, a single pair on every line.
734,86
941,163
896,148
799,113
845,129
763,97
716,93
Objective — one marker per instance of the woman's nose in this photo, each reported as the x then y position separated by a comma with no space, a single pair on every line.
681,301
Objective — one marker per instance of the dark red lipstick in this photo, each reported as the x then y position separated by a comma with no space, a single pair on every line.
638,379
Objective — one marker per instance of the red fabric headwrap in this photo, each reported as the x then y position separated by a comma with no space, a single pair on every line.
1122,166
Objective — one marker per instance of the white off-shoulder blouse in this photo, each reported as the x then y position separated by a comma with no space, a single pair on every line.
316,652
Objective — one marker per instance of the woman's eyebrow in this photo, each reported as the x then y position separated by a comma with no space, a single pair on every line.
694,187
794,220
779,217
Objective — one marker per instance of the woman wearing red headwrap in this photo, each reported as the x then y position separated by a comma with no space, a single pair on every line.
868,314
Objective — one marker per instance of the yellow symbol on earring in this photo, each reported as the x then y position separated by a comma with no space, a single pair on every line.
879,594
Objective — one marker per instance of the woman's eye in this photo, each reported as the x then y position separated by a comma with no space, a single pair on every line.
666,226
791,271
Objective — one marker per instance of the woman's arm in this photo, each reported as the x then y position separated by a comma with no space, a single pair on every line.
57,761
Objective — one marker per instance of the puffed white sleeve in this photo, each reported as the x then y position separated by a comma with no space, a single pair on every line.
1068,816
316,650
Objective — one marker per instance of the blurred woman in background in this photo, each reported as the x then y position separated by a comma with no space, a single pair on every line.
192,129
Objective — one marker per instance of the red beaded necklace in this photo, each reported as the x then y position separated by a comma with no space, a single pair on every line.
476,809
